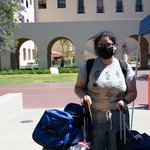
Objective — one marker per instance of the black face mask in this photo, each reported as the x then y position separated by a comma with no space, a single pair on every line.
105,52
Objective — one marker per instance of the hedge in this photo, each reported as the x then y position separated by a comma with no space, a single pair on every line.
39,71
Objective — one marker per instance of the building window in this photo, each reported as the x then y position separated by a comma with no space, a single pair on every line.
27,5
119,6
139,6
29,54
42,4
24,54
61,3
100,7
81,8
30,2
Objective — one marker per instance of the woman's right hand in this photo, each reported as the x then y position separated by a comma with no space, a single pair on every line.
86,99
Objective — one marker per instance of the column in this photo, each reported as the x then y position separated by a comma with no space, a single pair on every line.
79,57
5,61
42,59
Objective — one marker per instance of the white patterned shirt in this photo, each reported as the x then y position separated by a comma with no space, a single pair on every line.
106,83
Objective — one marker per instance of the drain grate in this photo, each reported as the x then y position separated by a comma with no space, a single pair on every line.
26,121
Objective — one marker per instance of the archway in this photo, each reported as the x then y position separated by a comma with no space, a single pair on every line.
129,50
26,50
130,46
60,49
143,51
89,49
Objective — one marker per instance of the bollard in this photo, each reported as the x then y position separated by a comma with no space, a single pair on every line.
149,91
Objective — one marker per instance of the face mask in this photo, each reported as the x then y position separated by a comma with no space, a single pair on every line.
105,52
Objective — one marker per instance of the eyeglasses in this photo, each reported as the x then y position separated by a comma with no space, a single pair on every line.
108,45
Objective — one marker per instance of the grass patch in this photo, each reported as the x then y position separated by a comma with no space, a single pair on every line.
38,78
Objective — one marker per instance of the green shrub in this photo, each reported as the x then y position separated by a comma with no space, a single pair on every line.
39,71
68,70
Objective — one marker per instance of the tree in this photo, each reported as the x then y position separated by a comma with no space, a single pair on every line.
9,18
63,43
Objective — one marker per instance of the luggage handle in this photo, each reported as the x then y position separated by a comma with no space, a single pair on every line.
84,130
122,125
87,109
87,113
123,132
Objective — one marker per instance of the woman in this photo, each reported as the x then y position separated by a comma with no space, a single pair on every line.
108,91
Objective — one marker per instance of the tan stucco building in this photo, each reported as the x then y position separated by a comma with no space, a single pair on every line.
78,21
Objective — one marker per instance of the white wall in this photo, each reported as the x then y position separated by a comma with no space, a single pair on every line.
29,13
29,47
29,16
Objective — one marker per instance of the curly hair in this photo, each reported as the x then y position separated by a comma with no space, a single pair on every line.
98,36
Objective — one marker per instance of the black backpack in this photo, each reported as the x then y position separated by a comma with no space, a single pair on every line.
90,63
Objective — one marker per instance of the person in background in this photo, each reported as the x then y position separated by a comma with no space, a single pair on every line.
62,61
73,60
107,90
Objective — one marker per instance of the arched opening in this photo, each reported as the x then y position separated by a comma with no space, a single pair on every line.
61,52
89,49
26,56
130,47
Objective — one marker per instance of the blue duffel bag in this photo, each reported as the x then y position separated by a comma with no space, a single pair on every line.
57,130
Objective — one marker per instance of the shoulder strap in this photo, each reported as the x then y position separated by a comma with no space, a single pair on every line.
123,66
89,65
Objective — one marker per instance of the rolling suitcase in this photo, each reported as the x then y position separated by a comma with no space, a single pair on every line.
131,139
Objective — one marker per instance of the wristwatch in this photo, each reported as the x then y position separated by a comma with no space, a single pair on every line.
125,100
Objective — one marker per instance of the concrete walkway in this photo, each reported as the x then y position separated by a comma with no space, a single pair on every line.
16,130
